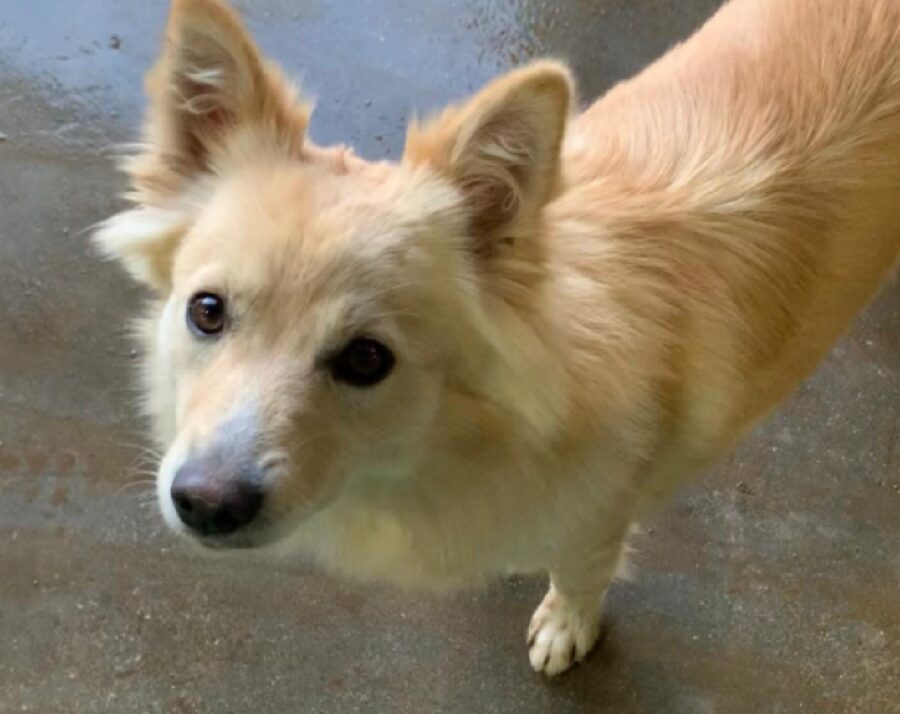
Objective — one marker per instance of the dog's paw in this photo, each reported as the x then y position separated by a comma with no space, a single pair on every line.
561,634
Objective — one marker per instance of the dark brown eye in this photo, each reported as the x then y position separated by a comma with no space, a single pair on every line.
362,362
206,314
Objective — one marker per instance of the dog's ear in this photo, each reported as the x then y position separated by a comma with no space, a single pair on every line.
501,149
211,86
213,101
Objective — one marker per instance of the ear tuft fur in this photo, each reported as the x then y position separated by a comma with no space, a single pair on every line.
143,239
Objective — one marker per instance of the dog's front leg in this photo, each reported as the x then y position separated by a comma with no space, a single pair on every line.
566,625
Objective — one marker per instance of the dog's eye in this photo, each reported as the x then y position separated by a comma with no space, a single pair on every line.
362,362
206,314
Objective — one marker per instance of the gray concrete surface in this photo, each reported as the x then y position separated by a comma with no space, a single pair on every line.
771,585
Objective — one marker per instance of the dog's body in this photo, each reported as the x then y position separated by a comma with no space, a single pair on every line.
585,310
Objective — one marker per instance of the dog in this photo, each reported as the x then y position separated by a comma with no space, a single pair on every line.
499,352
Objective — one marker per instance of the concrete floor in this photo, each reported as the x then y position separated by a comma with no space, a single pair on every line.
771,585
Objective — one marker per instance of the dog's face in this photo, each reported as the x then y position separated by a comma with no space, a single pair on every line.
321,319
307,341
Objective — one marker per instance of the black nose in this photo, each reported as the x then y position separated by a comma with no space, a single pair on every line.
212,505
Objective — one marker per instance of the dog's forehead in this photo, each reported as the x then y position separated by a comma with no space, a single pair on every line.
297,229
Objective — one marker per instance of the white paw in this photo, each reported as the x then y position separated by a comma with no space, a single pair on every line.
561,634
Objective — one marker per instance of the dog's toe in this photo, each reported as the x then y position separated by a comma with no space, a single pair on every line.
560,634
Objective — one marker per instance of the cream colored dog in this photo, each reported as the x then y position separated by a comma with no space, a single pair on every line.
498,352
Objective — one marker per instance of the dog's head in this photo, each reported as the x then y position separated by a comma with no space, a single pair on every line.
324,322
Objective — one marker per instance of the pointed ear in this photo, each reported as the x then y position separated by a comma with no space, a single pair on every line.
213,100
501,149
210,86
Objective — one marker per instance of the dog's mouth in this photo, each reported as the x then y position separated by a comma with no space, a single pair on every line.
255,537
232,542
266,531
218,544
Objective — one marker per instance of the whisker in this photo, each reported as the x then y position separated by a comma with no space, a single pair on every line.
143,483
